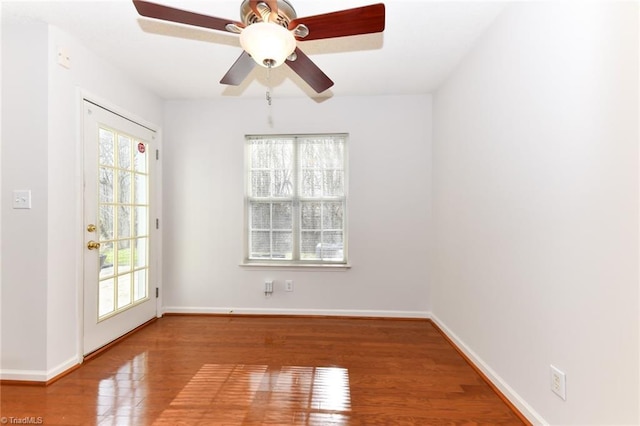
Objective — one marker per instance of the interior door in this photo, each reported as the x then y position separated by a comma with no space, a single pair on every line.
118,179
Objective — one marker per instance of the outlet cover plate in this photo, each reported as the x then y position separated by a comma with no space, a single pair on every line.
558,383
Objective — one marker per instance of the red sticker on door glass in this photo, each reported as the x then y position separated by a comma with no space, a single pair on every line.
141,148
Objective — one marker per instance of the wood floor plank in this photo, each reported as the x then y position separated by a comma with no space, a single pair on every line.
212,370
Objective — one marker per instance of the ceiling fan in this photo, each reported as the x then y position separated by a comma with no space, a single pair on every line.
269,31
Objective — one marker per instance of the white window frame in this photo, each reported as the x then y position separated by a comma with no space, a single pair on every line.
296,199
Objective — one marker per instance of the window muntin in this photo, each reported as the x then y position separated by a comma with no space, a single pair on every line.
296,198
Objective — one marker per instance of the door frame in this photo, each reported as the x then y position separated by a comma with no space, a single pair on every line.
155,198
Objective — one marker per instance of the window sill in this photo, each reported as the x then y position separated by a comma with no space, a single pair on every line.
284,266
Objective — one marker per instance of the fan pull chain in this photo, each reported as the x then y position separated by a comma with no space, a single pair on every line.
268,94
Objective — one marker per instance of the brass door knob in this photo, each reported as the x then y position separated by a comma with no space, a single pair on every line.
91,228
93,245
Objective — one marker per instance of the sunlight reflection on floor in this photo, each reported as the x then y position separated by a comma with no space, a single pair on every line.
260,394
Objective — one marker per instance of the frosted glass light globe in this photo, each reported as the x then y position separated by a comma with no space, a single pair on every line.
268,44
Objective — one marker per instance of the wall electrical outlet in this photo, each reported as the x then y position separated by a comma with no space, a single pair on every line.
288,285
558,383
268,287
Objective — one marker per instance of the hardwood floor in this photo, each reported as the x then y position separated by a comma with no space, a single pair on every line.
204,370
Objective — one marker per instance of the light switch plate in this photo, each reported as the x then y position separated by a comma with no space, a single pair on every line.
22,199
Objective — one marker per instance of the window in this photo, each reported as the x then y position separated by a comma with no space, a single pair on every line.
296,199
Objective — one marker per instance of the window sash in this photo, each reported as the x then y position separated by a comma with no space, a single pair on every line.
301,177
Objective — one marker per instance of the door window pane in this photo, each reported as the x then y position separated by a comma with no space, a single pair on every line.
140,158
140,253
139,285
124,152
124,290
124,187
124,221
106,293
140,189
106,147
106,254
106,185
141,225
106,223
123,256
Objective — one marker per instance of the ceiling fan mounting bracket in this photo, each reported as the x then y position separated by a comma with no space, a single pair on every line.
285,14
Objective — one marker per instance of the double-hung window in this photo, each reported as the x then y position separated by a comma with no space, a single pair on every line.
295,200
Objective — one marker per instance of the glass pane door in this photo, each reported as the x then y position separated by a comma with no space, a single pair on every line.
123,222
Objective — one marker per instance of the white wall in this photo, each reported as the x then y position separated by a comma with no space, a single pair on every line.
536,207
388,207
42,247
24,166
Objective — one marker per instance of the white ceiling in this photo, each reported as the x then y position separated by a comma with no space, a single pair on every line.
422,43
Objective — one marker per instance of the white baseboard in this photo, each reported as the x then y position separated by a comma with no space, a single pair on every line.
506,390
38,375
318,312
62,367
24,375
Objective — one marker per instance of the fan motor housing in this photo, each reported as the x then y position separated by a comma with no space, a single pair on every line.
286,13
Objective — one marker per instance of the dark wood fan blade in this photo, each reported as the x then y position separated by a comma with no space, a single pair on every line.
166,13
239,70
361,20
309,72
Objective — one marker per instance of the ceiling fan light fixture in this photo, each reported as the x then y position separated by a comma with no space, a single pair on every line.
268,44
266,38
